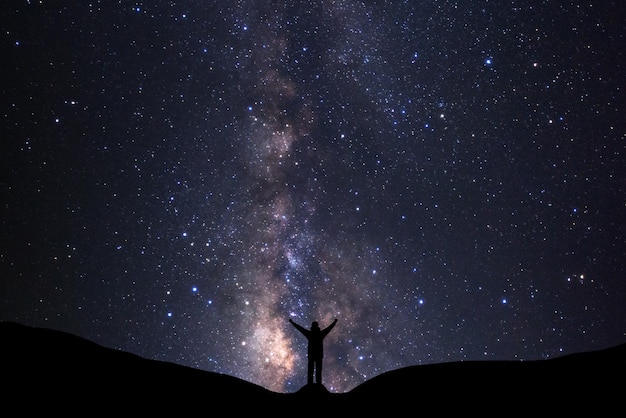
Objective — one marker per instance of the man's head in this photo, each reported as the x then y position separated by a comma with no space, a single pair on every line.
315,325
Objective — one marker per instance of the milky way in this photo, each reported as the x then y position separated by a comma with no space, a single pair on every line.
180,179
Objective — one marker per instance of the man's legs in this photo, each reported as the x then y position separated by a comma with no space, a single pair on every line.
309,375
318,371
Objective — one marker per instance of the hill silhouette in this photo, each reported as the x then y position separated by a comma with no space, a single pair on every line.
50,371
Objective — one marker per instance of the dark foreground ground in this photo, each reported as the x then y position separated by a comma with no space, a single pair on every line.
51,372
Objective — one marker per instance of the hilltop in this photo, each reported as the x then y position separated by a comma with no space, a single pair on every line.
51,371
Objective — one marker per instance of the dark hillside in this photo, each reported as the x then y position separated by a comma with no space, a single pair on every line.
50,371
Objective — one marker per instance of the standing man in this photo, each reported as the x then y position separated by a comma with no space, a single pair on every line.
315,349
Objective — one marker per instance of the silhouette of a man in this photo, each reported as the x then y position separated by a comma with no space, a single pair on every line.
315,350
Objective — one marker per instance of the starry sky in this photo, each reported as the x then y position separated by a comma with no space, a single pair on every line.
446,178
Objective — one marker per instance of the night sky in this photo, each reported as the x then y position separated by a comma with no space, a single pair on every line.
447,178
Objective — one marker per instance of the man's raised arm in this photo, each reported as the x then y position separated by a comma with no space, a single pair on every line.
299,327
328,328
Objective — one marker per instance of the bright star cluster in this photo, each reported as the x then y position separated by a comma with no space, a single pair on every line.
181,178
